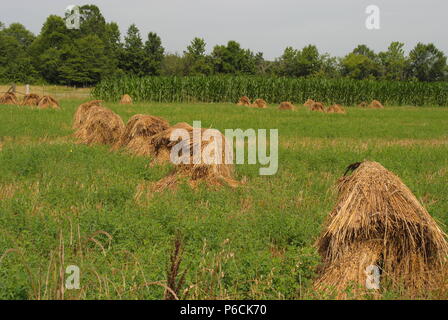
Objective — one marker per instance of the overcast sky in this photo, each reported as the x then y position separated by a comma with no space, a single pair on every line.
334,26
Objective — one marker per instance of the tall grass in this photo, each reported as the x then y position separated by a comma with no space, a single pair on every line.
272,89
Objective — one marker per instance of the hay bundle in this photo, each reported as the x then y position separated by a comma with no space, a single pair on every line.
287,106
260,103
81,113
217,173
31,99
162,144
126,99
9,98
309,103
375,104
363,104
378,221
101,126
244,101
48,102
317,106
336,108
138,132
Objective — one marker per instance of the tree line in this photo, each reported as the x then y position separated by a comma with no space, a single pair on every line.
84,56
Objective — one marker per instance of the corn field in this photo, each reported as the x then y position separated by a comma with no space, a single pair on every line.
273,90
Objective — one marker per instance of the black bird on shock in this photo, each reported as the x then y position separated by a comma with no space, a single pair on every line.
352,167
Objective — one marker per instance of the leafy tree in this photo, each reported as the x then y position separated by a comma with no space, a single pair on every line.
363,50
287,64
54,34
362,63
153,55
47,49
80,57
196,61
85,62
92,22
427,63
358,66
113,46
133,55
173,65
394,61
262,66
20,33
299,63
233,59
112,36
15,59
308,62
196,48
72,57
15,62
49,62
329,67
247,63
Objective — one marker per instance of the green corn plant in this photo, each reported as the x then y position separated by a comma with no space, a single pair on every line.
272,89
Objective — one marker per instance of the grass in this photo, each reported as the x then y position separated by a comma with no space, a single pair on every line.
58,92
65,204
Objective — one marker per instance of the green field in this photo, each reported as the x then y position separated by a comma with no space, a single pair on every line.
66,204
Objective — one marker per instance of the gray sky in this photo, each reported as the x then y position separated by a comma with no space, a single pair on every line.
334,26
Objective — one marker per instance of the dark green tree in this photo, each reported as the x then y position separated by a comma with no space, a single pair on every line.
287,63
195,59
362,63
78,57
133,55
394,61
49,48
85,62
358,66
113,47
299,63
427,63
20,33
92,22
329,67
262,67
153,58
53,34
364,50
15,61
196,48
308,62
173,65
232,59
